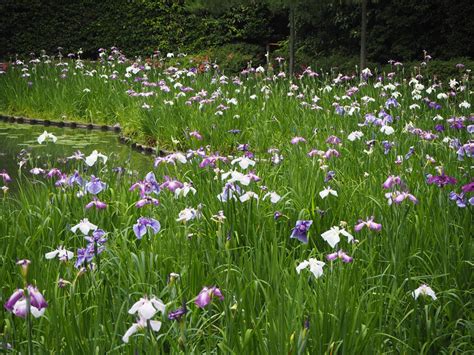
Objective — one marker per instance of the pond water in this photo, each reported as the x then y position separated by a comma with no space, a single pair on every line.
16,137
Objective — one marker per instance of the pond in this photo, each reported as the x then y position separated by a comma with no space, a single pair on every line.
17,139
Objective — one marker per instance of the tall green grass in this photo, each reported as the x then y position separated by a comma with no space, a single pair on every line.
362,307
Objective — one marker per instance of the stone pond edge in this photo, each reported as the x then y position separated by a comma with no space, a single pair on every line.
90,126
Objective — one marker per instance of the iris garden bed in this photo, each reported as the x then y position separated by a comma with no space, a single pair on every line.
318,214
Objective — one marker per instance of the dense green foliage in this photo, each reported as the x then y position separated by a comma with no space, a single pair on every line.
397,29
139,26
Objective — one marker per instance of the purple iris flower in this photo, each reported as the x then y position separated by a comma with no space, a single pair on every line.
369,223
339,255
316,152
243,147
297,139
196,135
387,146
37,171
36,298
206,295
351,91
96,203
178,313
249,154
456,122
5,176
398,197
277,215
428,135
340,110
212,160
414,130
17,303
95,185
434,105
84,256
62,180
253,176
230,191
465,150
171,184
411,151
78,155
300,231
331,153
455,144
369,118
391,102
147,200
329,176
201,152
75,179
143,223
366,73
147,186
468,187
439,128
333,140
384,118
460,199
391,181
441,180
14,298
97,240
151,185
53,172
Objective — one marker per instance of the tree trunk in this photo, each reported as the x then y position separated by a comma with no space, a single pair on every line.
291,43
363,36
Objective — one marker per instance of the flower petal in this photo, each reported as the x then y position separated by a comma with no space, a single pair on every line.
132,330
155,325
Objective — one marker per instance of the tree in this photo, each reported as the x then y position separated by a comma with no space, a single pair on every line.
218,7
363,35
363,29
292,37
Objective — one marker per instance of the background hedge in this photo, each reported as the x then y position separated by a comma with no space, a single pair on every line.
398,29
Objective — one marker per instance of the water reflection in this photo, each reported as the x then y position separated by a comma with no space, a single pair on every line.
21,140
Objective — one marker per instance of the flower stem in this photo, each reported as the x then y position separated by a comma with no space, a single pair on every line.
29,325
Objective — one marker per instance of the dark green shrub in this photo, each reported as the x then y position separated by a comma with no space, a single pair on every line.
232,58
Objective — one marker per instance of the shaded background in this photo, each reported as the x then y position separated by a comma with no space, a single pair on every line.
397,29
